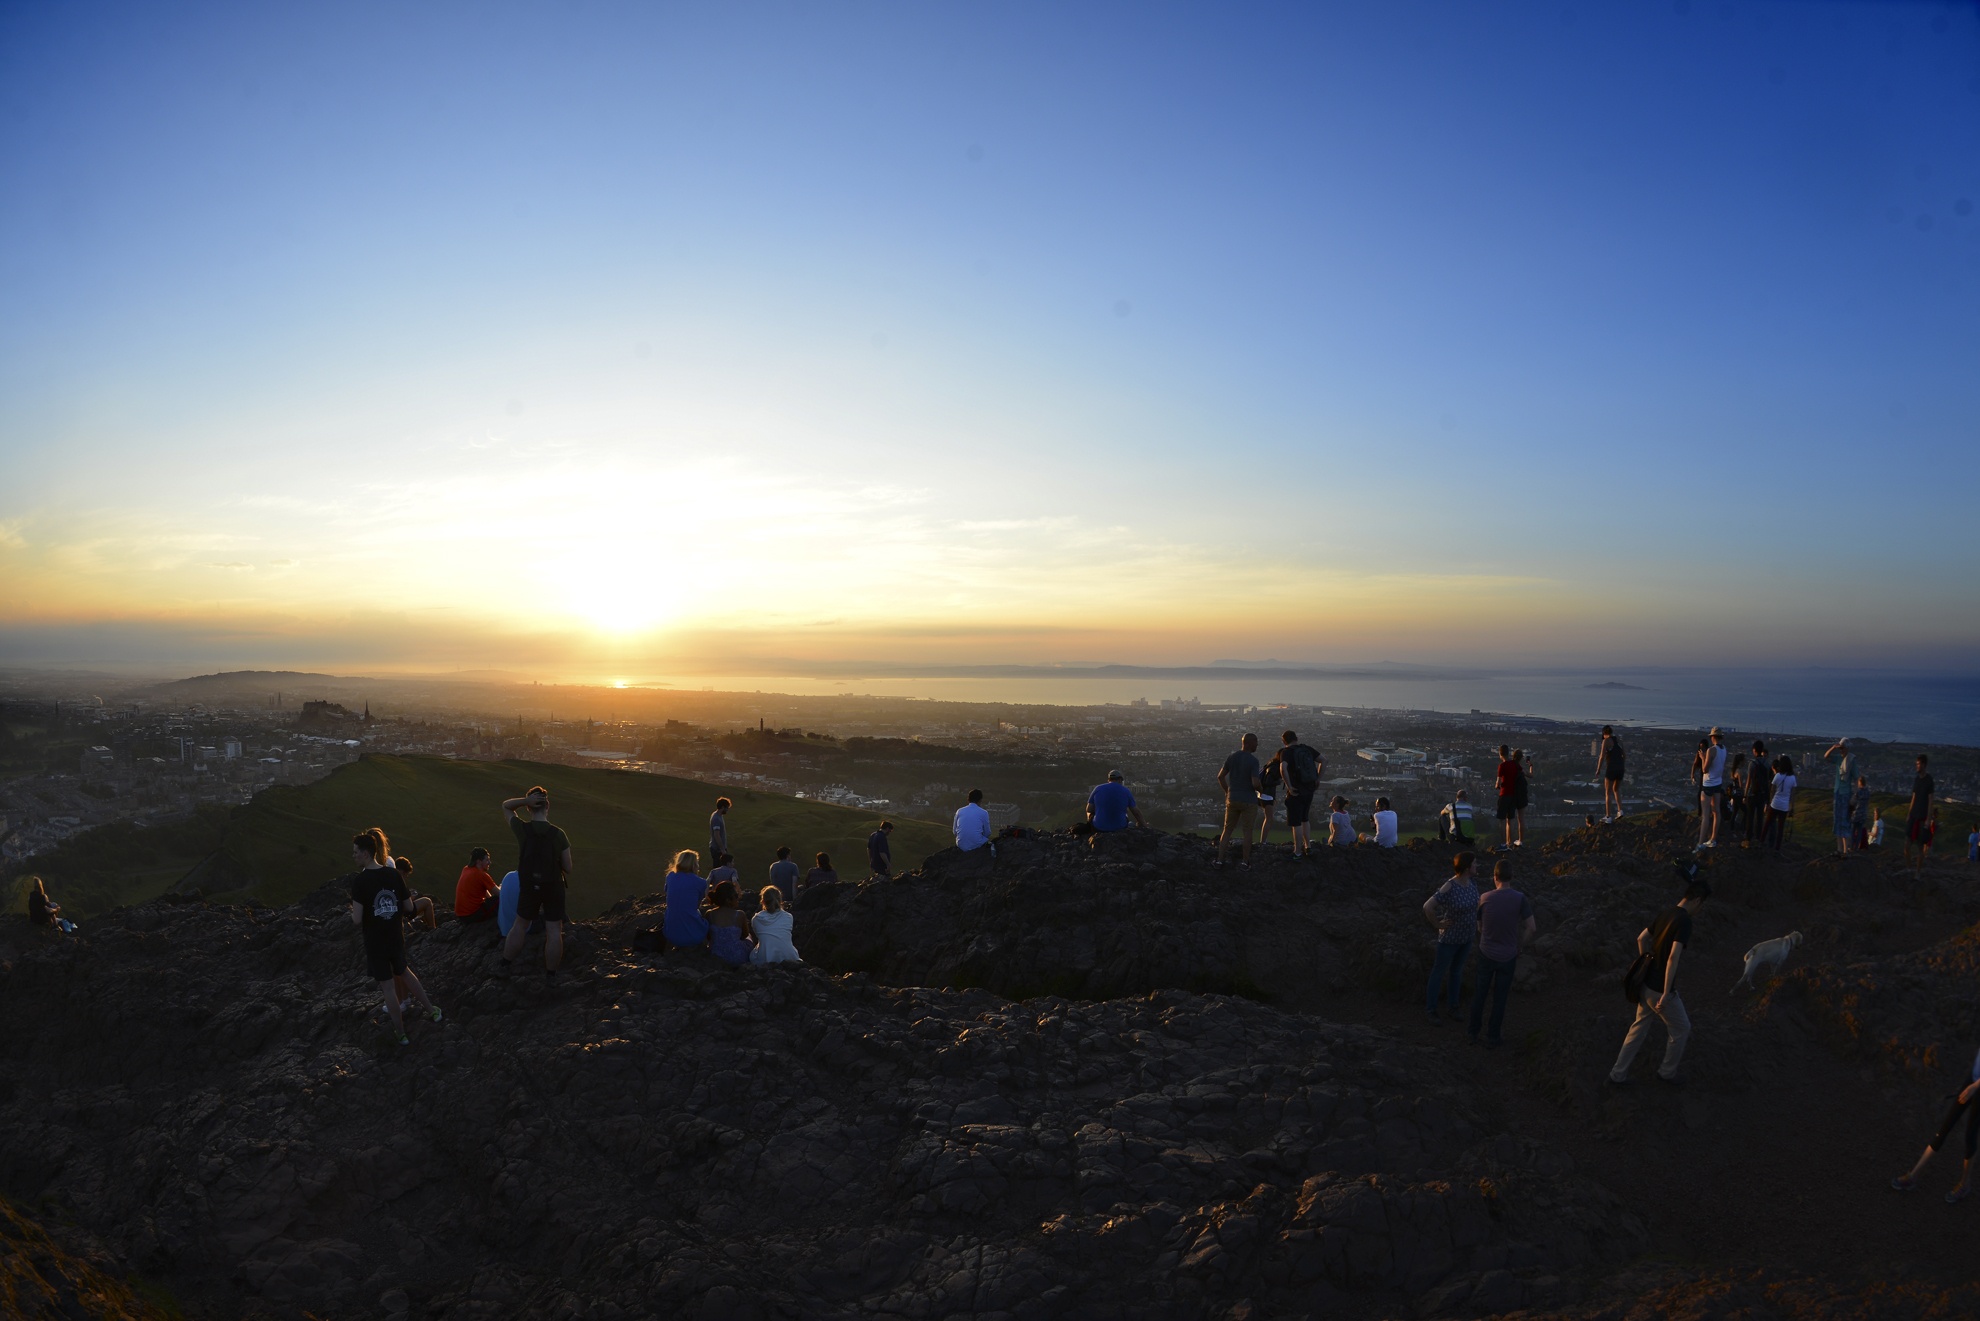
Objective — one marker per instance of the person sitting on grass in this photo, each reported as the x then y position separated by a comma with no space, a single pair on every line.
378,892
43,911
1340,826
685,927
772,927
1967,1103
728,934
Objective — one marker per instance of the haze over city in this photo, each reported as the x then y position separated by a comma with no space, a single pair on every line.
627,341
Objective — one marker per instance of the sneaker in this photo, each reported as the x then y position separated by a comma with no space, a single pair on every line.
1671,1081
434,1013
1903,1184
1957,1195
1618,1082
1244,866
404,1040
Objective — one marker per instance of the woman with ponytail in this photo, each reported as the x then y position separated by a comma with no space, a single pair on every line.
378,895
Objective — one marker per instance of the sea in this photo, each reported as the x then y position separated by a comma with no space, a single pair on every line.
1884,705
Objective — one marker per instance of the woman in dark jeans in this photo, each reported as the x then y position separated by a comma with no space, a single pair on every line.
1966,1103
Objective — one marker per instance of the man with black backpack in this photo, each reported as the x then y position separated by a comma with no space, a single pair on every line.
1652,982
1301,767
543,871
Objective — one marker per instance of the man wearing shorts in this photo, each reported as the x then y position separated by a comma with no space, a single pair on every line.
1711,788
1921,812
1239,779
1507,779
1303,767
544,871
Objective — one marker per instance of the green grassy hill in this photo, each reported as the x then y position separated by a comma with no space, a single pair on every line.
624,827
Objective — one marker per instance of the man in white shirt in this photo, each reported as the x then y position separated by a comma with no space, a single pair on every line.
973,827
1385,824
1711,789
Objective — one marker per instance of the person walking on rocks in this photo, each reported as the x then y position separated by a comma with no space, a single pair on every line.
1664,942
718,830
972,828
1711,788
1965,1104
378,896
543,870
1609,766
1239,779
1842,808
1302,767
880,852
1507,780
1505,922
1453,910
1922,788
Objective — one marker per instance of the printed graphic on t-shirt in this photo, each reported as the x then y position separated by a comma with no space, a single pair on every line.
384,905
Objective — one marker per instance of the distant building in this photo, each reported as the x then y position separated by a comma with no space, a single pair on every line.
98,761
231,749
1002,815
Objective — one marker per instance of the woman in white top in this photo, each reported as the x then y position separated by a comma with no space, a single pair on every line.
1340,826
772,929
1385,824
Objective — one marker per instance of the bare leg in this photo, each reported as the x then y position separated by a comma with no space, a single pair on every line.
390,991
553,946
1918,1169
418,991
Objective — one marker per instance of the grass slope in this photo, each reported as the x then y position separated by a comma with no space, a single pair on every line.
624,827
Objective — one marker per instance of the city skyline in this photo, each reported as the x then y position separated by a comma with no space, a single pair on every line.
620,341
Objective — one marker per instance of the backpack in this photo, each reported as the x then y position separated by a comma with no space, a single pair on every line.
541,862
1269,779
1632,982
1302,768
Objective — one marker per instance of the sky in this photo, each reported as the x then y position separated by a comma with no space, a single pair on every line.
615,338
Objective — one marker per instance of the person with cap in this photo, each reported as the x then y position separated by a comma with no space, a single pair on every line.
1110,807
1711,788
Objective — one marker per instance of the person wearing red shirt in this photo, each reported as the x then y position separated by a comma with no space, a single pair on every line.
476,894
1509,779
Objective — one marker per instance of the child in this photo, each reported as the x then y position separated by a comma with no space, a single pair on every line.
1973,845
773,929
728,937
1876,828
1859,812
1340,826
1925,834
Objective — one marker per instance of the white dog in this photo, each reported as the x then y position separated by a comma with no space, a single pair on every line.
1766,956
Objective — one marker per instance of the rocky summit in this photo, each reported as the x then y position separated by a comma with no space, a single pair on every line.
1075,1084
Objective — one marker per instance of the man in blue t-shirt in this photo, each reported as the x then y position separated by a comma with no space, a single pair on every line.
1110,806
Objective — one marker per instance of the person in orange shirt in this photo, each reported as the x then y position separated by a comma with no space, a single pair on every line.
476,894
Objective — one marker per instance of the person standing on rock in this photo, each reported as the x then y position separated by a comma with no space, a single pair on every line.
1921,810
1505,922
1507,780
1711,788
378,896
1609,766
972,828
1238,777
1841,806
880,852
1110,807
543,870
718,830
1665,942
1759,789
1453,910
1302,767
1966,1103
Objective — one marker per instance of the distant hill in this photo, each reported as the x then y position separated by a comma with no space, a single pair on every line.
269,679
624,827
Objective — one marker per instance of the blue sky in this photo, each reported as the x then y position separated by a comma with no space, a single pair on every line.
1338,332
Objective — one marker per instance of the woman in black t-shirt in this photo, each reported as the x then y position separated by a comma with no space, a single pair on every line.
378,896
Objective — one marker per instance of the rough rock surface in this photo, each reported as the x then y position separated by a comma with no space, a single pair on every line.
206,1091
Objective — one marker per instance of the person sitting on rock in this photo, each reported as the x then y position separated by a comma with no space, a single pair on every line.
378,892
1966,1103
1385,824
1340,826
772,926
1454,826
728,934
724,870
685,927
1110,807
42,911
821,874
421,909
477,896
